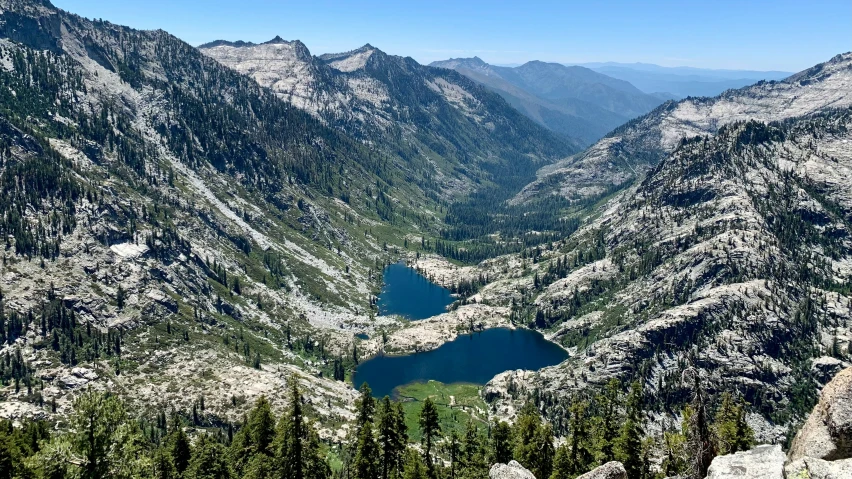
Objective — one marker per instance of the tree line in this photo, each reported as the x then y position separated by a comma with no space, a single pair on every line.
102,440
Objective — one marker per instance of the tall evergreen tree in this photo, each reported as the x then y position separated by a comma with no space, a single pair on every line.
288,444
414,467
629,446
731,431
430,430
607,421
178,447
392,439
208,460
366,450
580,453
501,443
699,443
254,438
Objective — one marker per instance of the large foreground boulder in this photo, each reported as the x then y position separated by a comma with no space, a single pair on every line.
762,462
513,470
827,434
812,468
610,470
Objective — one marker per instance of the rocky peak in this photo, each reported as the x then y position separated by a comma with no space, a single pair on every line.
351,61
277,39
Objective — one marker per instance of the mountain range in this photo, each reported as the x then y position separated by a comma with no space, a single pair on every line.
190,227
681,82
570,100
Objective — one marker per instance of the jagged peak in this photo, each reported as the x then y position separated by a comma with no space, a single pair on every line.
275,40
837,63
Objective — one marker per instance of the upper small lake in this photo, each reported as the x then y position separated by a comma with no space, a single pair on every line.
409,294
473,358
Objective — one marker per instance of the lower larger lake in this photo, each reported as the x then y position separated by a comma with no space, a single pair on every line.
409,294
472,359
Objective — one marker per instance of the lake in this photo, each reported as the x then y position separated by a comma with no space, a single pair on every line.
472,359
409,294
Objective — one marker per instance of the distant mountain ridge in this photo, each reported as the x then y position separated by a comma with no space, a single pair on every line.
682,82
573,101
632,149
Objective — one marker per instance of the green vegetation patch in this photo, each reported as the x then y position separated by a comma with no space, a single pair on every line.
456,404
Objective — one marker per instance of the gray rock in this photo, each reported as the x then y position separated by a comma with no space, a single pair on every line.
827,434
762,462
513,470
812,468
825,368
72,381
610,470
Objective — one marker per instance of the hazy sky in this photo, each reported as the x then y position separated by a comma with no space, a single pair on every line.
785,35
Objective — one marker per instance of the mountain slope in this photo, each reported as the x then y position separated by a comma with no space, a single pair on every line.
175,230
568,100
434,119
733,257
634,148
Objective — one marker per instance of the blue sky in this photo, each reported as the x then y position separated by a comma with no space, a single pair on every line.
745,34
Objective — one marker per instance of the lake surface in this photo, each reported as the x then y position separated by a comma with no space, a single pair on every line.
409,294
468,359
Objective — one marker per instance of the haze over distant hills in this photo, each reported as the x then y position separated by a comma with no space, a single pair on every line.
573,101
682,81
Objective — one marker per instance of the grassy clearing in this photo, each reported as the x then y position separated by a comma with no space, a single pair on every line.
457,404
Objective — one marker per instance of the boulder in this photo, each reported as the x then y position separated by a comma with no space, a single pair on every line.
812,468
827,434
513,470
762,462
610,470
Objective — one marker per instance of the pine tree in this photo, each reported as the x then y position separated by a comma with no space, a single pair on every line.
288,437
731,431
178,447
414,468
366,453
544,460
501,443
392,440
629,445
607,421
699,444
579,443
208,460
430,430
163,466
473,457
255,437
120,297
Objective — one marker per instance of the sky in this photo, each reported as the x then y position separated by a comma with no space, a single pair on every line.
744,34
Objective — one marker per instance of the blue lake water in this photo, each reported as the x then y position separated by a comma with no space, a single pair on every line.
410,295
472,359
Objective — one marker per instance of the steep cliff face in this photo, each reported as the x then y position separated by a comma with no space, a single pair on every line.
636,147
